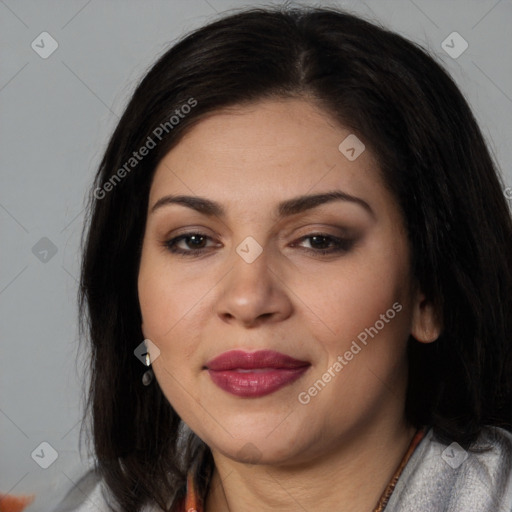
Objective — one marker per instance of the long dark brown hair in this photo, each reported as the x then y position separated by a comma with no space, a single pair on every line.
433,158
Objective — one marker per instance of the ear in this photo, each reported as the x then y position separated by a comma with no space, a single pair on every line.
426,327
142,329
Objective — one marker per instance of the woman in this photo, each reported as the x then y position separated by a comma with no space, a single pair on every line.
298,215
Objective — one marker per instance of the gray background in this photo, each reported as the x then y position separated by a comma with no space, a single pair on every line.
56,116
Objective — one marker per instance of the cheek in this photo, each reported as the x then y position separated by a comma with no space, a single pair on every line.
166,298
167,306
346,298
372,347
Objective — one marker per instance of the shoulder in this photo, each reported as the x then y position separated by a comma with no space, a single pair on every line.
443,477
85,496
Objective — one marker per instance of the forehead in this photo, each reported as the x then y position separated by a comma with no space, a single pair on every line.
269,149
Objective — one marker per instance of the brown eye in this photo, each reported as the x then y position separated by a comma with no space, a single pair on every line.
195,241
325,244
189,244
320,242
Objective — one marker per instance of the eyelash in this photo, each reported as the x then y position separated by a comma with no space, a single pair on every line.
342,245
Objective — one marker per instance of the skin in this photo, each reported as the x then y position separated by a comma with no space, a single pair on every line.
345,444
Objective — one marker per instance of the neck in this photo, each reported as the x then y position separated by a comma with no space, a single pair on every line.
355,473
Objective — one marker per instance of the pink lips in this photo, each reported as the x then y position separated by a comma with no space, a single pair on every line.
254,374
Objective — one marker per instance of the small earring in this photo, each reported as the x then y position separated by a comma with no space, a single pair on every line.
148,360
147,378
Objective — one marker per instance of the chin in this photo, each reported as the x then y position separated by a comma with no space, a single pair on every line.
256,452
256,445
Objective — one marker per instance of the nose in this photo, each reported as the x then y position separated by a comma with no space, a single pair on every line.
253,293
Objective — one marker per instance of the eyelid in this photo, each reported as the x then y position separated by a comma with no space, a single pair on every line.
191,229
326,229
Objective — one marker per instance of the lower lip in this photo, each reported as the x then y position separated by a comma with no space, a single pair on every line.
255,383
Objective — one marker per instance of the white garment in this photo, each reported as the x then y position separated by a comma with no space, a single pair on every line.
437,478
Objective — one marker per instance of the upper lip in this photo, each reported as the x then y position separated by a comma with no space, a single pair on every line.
240,359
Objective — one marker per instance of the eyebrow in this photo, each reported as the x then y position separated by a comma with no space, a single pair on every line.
286,208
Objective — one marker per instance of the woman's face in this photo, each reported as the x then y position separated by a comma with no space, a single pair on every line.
245,251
